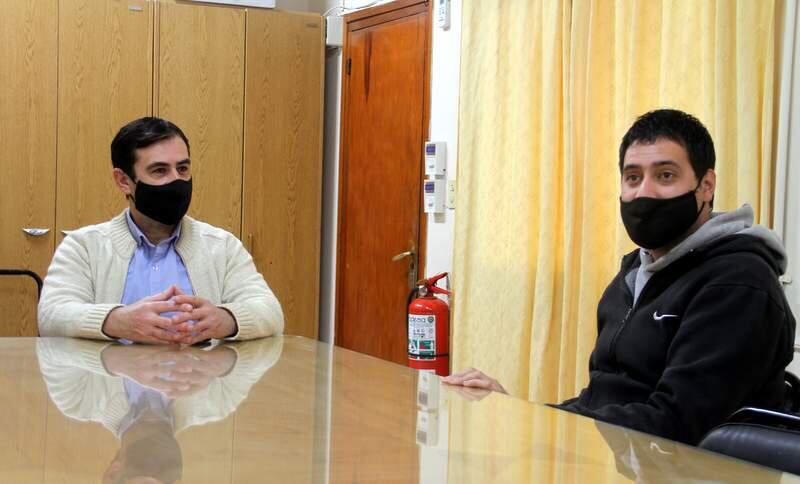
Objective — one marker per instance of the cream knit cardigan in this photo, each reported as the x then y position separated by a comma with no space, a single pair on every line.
87,276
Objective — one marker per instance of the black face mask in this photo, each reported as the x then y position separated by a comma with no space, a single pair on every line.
653,223
164,203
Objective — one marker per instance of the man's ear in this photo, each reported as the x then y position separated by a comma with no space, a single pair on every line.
708,186
123,182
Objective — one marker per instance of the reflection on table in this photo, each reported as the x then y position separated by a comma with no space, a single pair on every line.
293,410
145,395
507,440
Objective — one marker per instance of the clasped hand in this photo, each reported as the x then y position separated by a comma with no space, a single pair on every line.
193,319
170,370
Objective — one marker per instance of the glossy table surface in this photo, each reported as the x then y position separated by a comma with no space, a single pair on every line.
293,410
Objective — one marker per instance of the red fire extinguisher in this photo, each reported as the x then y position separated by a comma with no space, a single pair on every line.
429,327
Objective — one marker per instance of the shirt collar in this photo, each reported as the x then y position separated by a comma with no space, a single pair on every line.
141,238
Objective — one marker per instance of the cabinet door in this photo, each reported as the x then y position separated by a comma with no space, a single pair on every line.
283,159
28,90
105,80
201,89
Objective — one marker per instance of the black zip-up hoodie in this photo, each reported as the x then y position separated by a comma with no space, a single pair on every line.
709,333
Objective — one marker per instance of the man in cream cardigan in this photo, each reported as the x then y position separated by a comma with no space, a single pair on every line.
153,274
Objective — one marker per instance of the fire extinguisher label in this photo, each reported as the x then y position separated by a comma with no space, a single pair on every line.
422,335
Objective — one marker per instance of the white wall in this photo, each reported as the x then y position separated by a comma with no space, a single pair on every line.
445,75
787,199
296,5
330,193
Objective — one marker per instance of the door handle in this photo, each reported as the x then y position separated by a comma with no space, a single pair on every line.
403,255
35,232
412,265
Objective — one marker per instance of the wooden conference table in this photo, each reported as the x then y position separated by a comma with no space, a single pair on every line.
293,410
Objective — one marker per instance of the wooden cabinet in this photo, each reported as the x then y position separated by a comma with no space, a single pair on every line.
282,172
201,55
246,87
28,106
105,52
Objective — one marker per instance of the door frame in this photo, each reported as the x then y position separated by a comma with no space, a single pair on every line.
361,19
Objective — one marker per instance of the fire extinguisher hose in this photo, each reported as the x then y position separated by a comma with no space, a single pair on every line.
411,295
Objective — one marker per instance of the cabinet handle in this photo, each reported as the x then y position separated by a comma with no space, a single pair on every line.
35,232
250,243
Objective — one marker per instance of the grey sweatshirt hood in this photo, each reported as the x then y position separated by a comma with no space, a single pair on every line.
721,224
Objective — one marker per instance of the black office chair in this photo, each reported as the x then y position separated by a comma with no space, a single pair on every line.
766,437
36,279
791,402
25,272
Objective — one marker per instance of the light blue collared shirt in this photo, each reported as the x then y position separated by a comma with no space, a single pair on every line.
154,268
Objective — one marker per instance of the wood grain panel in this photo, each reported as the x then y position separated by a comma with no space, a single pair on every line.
24,402
276,427
69,440
105,81
28,89
201,89
67,443
373,426
283,159
197,443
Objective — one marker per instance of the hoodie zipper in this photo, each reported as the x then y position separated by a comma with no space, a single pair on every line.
613,345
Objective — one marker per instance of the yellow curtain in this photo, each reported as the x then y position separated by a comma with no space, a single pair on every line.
548,88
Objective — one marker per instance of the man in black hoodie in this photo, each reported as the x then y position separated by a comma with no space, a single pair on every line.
695,325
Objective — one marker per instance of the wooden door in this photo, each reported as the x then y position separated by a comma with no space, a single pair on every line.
200,87
283,159
105,80
384,125
28,102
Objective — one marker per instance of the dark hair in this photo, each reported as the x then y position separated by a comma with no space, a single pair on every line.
680,127
141,133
